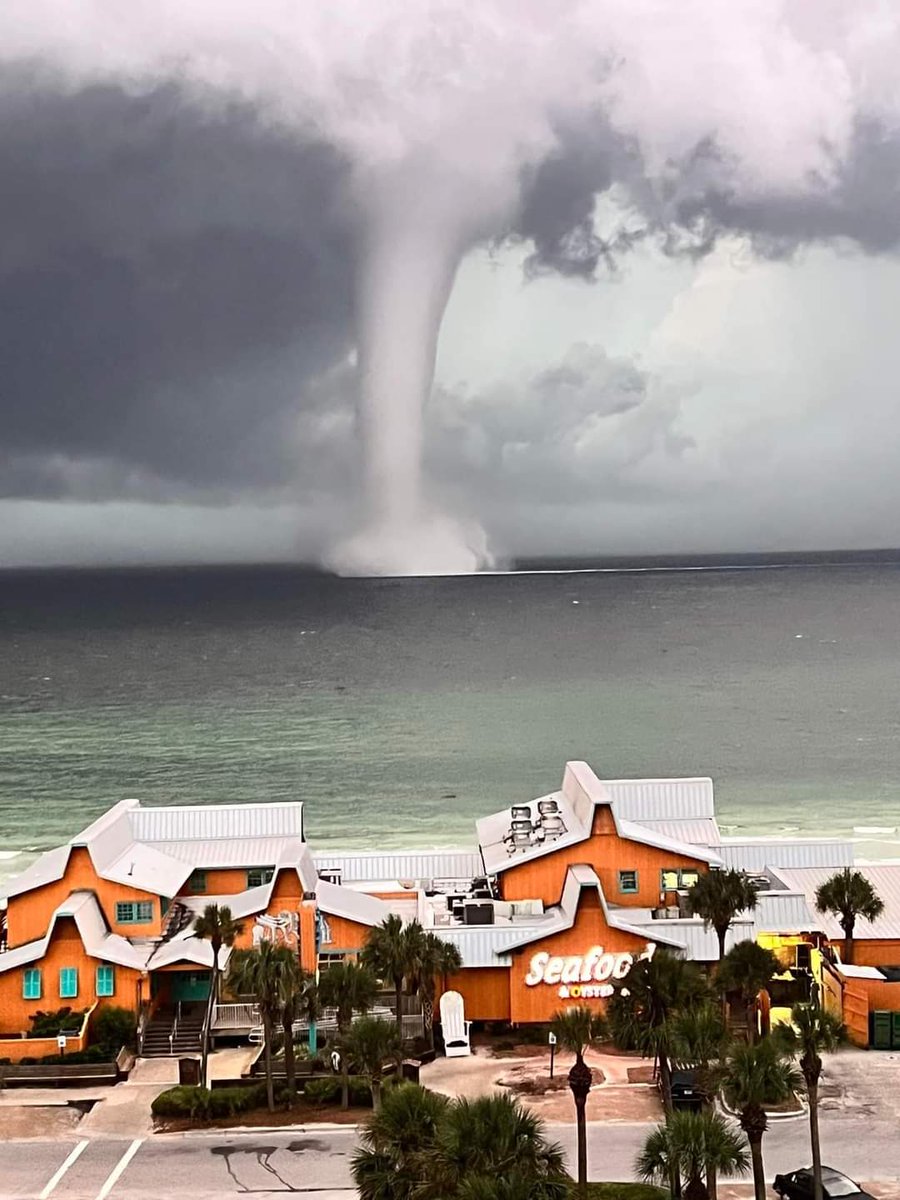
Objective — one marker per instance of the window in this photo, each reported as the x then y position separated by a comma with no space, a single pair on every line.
674,878
106,980
197,881
134,912
628,882
330,875
323,928
31,984
257,876
68,983
328,960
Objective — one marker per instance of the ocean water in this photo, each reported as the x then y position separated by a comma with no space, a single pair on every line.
400,710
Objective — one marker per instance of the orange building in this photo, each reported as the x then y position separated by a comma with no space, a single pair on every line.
560,896
108,918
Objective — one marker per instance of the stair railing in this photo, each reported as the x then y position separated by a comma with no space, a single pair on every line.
174,1029
142,1027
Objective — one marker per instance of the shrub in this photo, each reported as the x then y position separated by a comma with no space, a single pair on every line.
322,1091
49,1024
202,1104
113,1028
360,1092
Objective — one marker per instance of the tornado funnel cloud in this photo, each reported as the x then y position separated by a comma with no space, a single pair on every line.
405,281
407,265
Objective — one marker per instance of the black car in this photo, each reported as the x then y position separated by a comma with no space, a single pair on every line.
685,1092
798,1185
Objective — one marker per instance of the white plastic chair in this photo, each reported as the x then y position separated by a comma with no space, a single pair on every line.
454,1025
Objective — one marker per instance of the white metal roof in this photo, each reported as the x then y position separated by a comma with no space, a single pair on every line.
662,799
209,822
698,831
755,854
355,906
124,847
481,945
98,942
413,865
885,879
577,801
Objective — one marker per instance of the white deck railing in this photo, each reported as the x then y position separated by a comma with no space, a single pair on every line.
235,1016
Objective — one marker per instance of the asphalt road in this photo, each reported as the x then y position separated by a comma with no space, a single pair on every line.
315,1161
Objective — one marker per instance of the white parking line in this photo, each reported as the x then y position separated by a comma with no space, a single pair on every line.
119,1169
54,1180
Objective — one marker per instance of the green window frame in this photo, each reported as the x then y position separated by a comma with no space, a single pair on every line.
257,876
628,883
134,912
31,983
106,980
68,983
197,881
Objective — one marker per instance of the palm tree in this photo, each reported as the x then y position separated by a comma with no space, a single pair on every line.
298,997
812,1031
489,1139
349,988
718,897
576,1028
754,1076
699,1040
693,1146
397,1142
369,1043
386,955
848,895
217,926
258,973
435,959
747,968
420,1146
641,1010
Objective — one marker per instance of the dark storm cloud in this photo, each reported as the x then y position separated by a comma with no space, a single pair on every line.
172,276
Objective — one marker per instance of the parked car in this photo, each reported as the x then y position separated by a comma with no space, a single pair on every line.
798,1185
685,1093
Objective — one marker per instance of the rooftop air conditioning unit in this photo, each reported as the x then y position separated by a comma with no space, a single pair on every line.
476,913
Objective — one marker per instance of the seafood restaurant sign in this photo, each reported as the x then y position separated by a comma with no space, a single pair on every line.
582,976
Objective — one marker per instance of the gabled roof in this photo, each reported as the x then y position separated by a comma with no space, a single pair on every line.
155,849
98,942
581,794
579,878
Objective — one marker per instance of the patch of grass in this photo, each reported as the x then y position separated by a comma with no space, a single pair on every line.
622,1191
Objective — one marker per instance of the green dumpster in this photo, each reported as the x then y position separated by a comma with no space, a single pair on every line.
881,1030
895,1031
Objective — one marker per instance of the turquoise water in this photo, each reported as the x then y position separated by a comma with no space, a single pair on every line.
400,711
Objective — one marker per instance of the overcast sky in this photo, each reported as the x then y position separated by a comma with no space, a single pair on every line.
616,373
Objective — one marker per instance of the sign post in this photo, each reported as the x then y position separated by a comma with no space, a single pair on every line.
61,1043
551,1038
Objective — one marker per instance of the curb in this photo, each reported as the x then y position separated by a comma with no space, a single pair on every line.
213,1131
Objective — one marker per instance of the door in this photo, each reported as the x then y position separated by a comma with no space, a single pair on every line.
190,985
881,1030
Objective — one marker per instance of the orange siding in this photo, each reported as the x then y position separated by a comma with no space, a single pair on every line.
28,915
345,935
65,950
874,952
485,991
224,882
608,854
540,1002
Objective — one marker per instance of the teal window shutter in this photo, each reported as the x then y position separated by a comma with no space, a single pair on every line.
31,984
68,983
106,980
